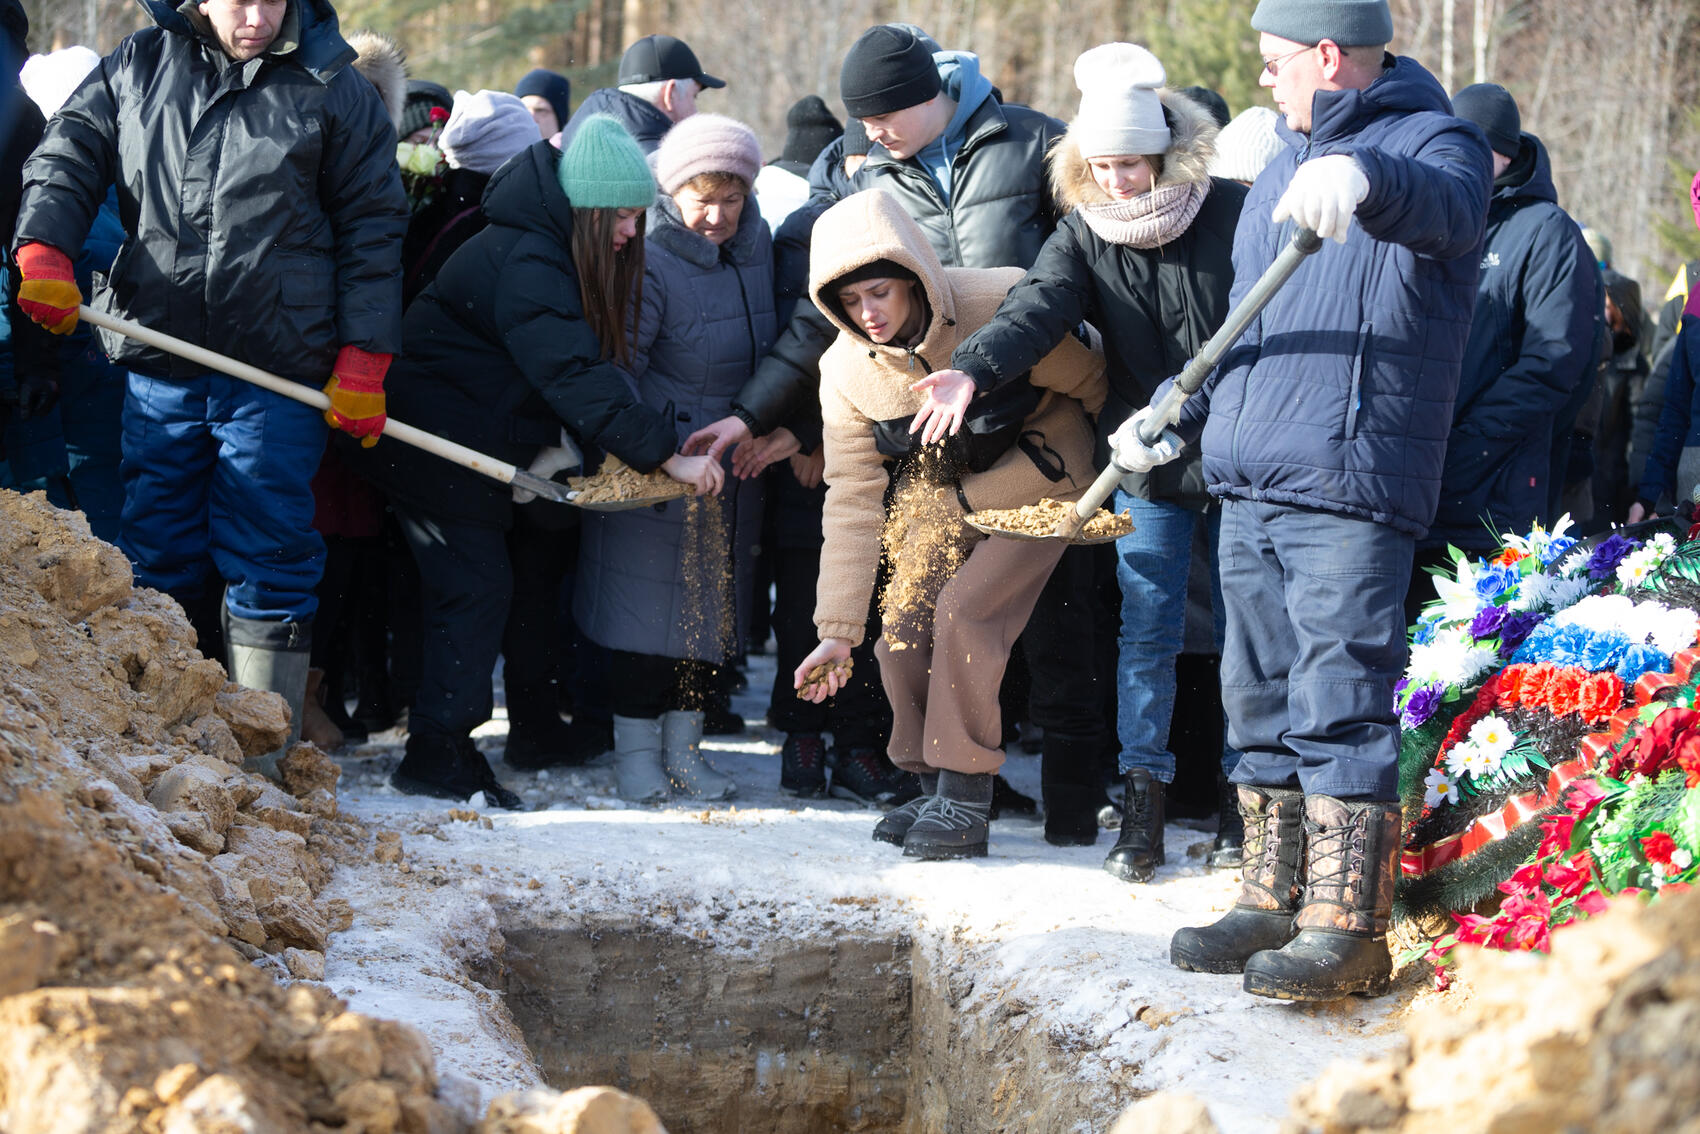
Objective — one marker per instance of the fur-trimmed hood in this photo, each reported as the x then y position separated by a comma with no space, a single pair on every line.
382,61
1192,144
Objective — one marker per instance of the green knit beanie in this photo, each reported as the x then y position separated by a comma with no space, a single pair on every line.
603,168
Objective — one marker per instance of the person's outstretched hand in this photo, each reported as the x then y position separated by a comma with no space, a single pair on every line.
751,458
703,474
714,438
830,651
948,394
1324,195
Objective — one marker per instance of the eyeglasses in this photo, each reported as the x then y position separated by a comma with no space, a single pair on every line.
1272,67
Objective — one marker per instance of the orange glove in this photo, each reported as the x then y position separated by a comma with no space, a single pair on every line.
356,391
48,292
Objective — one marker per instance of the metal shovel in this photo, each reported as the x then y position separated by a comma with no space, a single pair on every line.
401,431
1167,409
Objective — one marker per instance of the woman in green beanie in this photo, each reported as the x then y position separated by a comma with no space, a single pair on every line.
515,350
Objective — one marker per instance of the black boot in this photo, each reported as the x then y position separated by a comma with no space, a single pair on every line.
862,774
554,744
1228,851
1069,783
1351,858
431,766
894,825
1262,917
802,765
1007,801
478,768
953,823
1139,849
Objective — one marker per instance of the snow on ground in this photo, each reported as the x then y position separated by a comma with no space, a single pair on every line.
1084,954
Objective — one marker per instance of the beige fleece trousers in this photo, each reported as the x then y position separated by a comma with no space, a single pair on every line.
943,672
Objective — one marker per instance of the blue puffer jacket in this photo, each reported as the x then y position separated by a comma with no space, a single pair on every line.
1339,396
1531,342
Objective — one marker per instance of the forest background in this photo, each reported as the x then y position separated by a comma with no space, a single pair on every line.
1609,87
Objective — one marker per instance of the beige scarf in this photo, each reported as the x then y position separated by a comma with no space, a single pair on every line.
1149,220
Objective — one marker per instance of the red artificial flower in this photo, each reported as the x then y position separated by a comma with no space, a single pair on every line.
1658,847
1570,878
1599,696
1676,888
1556,837
1687,755
1593,902
1564,691
1442,978
1527,880
1474,929
1509,556
1582,796
1511,685
1529,923
1655,746
439,114
1536,684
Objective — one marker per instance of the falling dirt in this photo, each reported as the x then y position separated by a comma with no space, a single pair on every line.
617,483
925,541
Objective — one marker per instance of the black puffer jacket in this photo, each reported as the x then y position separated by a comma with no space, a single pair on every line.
499,357
641,119
1154,306
262,200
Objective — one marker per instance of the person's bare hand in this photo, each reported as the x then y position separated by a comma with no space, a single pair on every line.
832,652
752,457
703,474
1639,512
948,394
809,467
713,439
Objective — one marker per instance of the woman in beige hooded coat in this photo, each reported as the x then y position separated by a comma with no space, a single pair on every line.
956,601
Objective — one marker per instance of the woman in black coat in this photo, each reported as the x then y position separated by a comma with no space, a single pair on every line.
504,350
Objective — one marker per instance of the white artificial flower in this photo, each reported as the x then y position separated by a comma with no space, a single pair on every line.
1493,738
1550,592
1681,859
1457,595
1438,788
1452,659
1459,759
1634,568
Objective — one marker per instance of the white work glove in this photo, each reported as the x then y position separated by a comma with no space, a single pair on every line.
548,462
1323,195
1131,455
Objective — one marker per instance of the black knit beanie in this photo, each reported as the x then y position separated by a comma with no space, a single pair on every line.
888,68
1491,107
554,88
856,142
422,95
809,129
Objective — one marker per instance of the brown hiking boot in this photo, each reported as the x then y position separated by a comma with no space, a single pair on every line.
1262,917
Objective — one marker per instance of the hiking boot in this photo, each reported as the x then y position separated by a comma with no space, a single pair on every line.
864,775
553,745
639,774
1139,848
1340,949
681,749
1070,790
895,824
1227,852
1262,917
954,822
802,765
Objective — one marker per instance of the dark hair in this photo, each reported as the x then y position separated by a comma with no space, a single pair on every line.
610,283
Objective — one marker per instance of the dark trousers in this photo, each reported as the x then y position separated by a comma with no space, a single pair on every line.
857,716
647,685
465,589
1067,692
1315,641
531,639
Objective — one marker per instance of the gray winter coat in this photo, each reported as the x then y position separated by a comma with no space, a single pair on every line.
262,200
654,581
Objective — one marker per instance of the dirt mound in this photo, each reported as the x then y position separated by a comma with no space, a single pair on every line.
155,899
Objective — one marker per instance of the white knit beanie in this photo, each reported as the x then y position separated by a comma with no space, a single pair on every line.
485,129
706,143
1120,112
1247,144
50,79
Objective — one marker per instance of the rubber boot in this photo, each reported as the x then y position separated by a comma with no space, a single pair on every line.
275,657
894,824
316,726
1262,916
1227,852
640,776
1068,782
1139,849
690,771
954,821
1351,858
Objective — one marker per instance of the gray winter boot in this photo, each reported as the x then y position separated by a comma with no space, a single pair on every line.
954,823
275,657
1262,916
639,774
691,773
894,825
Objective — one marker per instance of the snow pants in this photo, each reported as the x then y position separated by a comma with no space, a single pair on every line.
217,479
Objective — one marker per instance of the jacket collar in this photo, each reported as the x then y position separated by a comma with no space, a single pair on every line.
667,230
309,35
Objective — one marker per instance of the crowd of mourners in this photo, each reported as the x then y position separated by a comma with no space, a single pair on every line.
945,304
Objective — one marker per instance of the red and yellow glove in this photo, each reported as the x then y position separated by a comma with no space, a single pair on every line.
48,292
356,391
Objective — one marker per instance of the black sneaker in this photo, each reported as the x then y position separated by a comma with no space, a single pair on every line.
802,765
864,775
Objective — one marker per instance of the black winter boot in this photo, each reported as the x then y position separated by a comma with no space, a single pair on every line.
895,824
1351,855
442,766
1139,849
1068,781
953,823
1228,851
552,744
1007,801
1262,917
802,765
863,774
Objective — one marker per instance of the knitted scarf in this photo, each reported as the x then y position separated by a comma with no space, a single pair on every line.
1149,220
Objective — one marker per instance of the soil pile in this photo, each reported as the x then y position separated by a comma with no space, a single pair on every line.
154,897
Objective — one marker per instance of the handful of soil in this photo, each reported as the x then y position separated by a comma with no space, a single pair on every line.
818,675
1043,518
616,481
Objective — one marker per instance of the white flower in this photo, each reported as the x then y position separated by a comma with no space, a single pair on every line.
1438,788
1549,592
1450,659
1634,568
1493,738
1460,758
1459,602
1681,859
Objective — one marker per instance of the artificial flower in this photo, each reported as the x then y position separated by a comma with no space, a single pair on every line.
1526,879
1487,622
1555,835
1517,627
1582,796
1420,706
1492,738
1493,581
1610,552
1572,876
1438,788
1593,902
1600,695
1658,847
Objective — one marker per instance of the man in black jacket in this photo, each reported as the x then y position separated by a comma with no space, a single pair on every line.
658,85
257,184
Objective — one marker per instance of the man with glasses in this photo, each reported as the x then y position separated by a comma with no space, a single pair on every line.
1324,434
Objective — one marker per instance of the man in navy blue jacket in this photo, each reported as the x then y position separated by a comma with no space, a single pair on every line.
1324,435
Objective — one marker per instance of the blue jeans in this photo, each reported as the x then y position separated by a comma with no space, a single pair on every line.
1152,565
217,480
1315,642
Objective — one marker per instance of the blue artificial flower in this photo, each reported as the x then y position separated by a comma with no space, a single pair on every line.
1516,629
1603,563
1641,658
1423,634
1536,645
1554,550
1604,650
1495,580
1568,645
